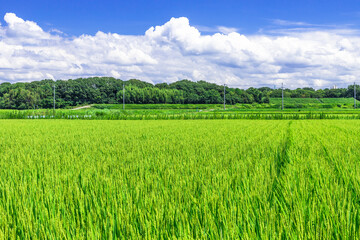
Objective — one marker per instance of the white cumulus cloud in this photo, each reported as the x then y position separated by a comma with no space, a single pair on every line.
177,50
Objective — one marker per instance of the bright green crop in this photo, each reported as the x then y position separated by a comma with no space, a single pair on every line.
194,179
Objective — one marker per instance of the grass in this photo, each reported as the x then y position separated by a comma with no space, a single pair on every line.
295,100
338,100
158,106
179,179
314,100
182,114
312,103
326,110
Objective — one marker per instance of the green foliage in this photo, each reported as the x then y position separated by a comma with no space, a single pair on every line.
107,90
158,106
179,179
295,100
315,102
184,112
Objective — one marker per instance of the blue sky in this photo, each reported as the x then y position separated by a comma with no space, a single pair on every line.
239,43
78,17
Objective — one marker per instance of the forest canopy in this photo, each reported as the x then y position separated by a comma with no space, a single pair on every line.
107,90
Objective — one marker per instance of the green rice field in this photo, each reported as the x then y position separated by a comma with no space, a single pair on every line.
313,103
182,114
314,100
296,100
196,179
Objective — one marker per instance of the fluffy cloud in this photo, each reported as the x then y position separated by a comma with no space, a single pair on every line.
177,50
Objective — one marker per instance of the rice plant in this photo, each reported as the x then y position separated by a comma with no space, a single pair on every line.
200,179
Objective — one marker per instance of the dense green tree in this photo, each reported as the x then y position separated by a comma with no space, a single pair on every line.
39,94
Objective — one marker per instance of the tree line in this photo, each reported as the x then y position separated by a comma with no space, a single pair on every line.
107,90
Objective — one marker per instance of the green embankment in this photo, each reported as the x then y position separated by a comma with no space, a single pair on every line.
182,114
295,100
294,108
314,100
314,103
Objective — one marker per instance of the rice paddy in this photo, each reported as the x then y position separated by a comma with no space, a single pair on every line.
181,114
287,179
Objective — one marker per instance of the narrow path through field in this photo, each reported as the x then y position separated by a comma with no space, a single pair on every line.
321,101
87,106
277,194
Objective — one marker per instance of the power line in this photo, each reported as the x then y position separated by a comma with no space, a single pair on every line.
123,96
54,100
282,96
354,95
224,97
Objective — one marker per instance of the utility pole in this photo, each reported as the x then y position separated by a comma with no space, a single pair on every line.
224,97
54,101
354,95
123,96
282,96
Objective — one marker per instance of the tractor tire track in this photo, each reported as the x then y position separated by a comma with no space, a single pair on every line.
276,195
